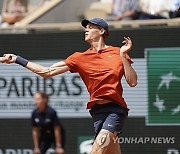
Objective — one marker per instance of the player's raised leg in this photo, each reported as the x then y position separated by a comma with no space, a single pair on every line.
105,143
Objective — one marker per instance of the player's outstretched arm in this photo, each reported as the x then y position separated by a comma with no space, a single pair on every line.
57,68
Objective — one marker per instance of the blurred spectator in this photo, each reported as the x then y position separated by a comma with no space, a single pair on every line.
14,11
99,9
124,10
152,9
175,9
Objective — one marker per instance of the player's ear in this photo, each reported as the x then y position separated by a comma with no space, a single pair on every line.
102,31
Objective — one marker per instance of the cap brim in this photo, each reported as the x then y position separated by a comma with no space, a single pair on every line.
85,22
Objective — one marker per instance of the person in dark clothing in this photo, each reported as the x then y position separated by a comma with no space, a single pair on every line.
46,128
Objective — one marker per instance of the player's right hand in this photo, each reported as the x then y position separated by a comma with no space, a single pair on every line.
37,151
8,58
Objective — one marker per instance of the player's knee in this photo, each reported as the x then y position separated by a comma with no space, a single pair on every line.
103,141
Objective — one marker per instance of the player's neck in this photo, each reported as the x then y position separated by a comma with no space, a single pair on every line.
98,45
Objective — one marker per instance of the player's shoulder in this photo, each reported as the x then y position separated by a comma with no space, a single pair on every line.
79,54
114,47
75,54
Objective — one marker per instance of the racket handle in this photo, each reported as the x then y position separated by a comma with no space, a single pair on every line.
10,58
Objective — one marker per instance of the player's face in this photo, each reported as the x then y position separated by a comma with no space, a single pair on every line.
92,33
39,101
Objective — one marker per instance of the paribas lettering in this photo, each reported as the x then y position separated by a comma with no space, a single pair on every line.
27,86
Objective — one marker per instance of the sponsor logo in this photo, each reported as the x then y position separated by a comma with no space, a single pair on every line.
163,72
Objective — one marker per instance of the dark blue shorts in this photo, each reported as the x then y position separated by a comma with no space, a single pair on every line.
110,116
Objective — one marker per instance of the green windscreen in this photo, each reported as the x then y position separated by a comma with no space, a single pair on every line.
163,71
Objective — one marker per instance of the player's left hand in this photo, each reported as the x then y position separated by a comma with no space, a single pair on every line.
126,47
59,150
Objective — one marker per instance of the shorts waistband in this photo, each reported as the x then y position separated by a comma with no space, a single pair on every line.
108,104
108,107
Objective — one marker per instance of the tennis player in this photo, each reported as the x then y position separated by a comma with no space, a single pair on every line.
101,67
